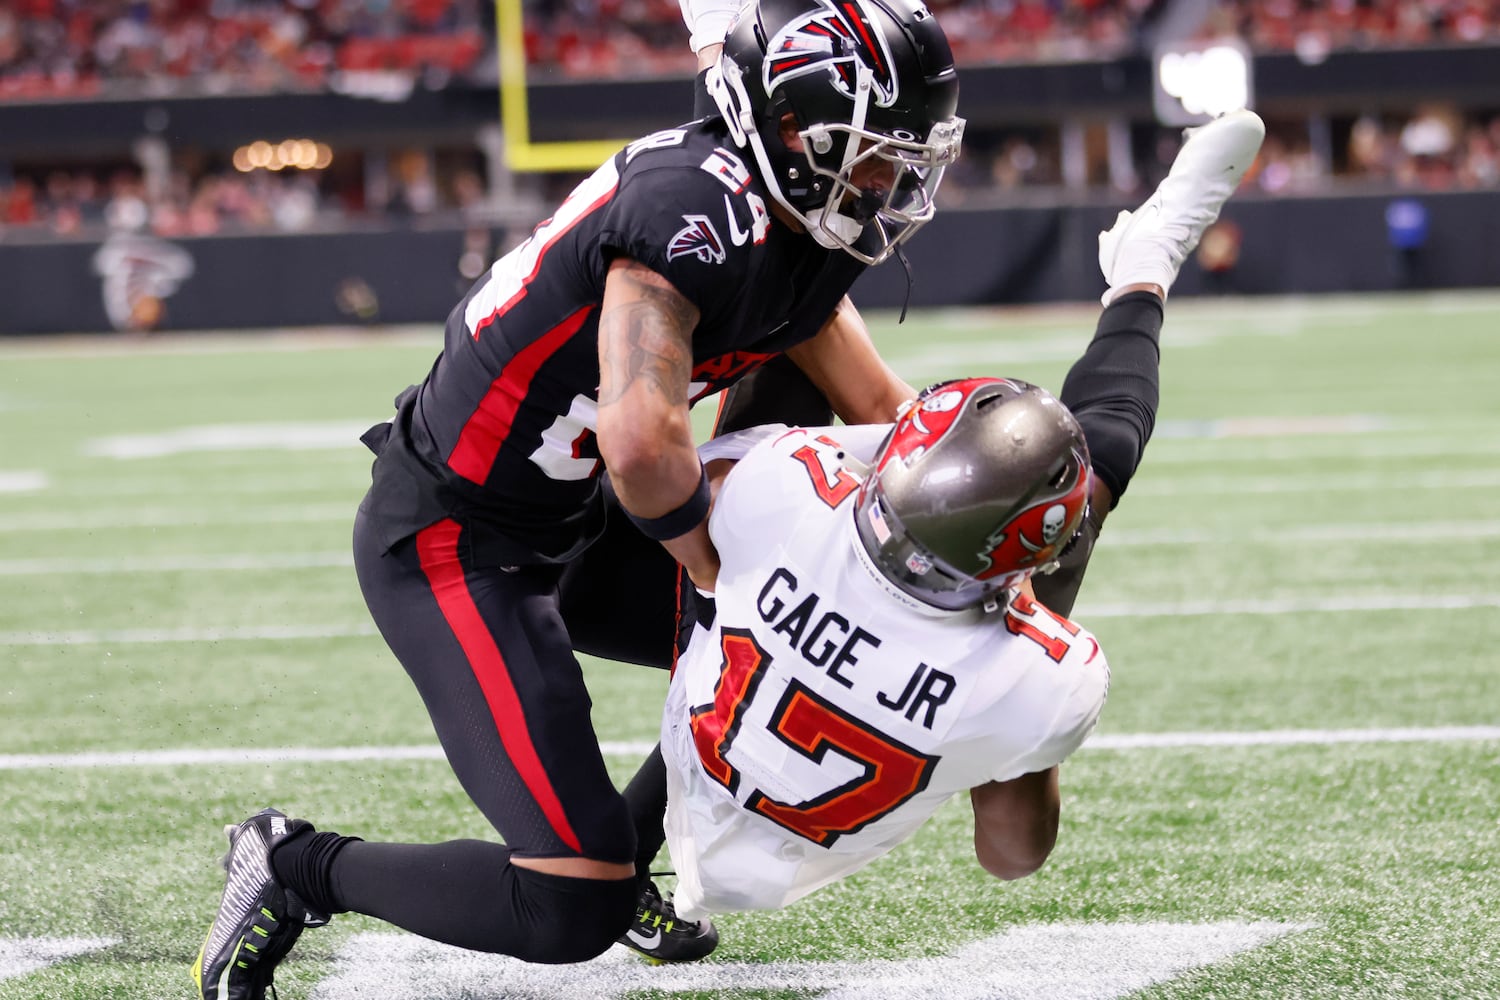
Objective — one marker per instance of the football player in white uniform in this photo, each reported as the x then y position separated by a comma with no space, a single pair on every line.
873,645
869,653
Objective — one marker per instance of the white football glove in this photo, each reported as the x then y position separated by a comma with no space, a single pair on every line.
708,20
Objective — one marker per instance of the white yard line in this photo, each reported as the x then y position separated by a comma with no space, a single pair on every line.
637,748
150,636
338,435
1383,533
1290,605
281,340
23,480
23,956
1184,609
1095,961
1424,444
1157,485
94,520
229,562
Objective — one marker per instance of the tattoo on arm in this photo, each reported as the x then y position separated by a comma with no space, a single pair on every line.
647,338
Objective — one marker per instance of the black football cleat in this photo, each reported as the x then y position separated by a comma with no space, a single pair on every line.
660,935
258,920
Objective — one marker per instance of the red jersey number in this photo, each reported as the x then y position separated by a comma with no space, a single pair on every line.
1041,625
832,490
891,771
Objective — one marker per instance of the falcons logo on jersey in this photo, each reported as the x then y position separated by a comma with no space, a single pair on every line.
829,41
697,239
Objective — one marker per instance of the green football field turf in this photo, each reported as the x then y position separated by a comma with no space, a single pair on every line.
1294,790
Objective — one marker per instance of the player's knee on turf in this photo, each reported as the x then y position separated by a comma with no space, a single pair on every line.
571,919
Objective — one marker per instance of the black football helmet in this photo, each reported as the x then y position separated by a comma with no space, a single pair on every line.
981,483
873,90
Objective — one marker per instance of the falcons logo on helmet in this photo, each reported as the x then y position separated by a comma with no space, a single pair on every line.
1035,536
830,40
697,239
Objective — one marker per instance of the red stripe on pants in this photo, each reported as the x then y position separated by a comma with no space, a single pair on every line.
437,547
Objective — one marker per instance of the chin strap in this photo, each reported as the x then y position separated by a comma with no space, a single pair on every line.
910,281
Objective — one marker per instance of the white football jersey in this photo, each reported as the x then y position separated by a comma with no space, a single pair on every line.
825,715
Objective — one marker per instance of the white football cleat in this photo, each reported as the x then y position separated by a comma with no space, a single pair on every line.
1148,246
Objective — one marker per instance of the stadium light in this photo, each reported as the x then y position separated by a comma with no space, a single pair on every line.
297,154
521,153
1194,82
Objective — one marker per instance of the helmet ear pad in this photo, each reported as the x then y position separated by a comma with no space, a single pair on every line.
981,483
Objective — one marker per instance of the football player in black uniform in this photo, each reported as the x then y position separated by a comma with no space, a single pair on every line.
693,256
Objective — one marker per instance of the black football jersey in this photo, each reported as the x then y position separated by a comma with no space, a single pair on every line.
501,432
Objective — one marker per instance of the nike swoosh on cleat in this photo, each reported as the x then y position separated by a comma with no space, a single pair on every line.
643,940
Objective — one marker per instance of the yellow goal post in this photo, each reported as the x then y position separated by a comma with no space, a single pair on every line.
521,153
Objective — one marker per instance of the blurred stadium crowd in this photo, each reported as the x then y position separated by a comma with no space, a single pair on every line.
73,48
109,48
78,50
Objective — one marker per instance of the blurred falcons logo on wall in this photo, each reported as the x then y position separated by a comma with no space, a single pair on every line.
830,40
139,273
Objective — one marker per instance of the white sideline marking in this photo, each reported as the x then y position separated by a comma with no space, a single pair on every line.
161,517
1182,609
23,956
1384,533
193,343
1271,427
1292,605
22,481
1086,961
233,562
1404,531
1183,451
1167,486
1293,737
232,437
247,481
639,748
135,636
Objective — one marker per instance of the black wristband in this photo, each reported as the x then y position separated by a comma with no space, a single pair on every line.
678,522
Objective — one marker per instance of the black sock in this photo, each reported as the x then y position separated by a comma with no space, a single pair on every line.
467,893
302,863
646,799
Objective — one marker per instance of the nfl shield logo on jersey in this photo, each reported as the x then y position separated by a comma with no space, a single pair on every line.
697,239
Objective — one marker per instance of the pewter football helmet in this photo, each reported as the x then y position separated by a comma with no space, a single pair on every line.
981,483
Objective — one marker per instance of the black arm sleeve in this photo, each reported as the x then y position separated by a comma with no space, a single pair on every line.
1114,389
